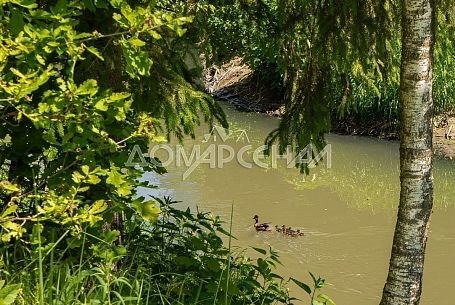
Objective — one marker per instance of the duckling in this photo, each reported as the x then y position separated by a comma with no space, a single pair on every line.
293,233
260,226
278,229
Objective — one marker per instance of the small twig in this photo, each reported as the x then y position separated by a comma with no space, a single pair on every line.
124,140
448,134
105,36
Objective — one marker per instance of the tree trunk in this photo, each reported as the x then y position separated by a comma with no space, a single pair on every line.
404,281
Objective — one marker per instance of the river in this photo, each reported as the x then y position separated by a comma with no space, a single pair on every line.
347,212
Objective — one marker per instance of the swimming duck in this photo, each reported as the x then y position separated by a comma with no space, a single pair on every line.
295,233
260,226
280,229
289,231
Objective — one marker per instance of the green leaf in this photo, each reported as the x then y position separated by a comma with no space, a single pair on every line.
138,63
6,140
43,107
85,169
262,251
119,96
147,210
77,177
98,207
115,178
325,299
26,3
9,293
116,3
155,34
13,230
304,286
136,42
101,105
17,72
51,153
8,186
9,210
93,179
16,22
124,190
122,187
180,31
49,136
89,87
88,4
313,277
40,59
95,52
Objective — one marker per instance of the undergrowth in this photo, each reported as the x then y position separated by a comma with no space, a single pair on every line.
179,259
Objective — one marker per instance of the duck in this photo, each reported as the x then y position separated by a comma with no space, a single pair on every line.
289,231
260,226
300,233
295,233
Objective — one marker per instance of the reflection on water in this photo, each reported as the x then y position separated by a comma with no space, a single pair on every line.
347,212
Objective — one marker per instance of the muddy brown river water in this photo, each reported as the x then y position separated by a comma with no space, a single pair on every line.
347,211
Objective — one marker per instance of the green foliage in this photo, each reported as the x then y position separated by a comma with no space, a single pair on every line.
179,259
317,298
444,67
331,60
323,43
71,100
8,293
312,51
65,127
80,82
195,266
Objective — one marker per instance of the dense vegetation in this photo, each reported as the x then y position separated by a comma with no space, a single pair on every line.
81,83
334,62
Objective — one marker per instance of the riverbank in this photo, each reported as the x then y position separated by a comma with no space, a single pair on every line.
236,83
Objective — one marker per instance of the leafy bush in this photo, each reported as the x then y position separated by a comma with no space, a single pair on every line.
81,80
180,259
196,267
64,134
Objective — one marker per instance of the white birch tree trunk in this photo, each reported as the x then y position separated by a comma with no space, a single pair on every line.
404,281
